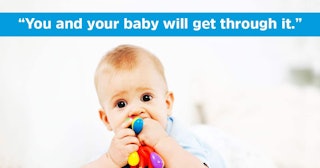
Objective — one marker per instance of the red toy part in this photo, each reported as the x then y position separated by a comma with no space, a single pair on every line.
145,157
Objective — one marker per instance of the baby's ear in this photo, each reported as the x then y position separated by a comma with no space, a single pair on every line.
169,102
104,119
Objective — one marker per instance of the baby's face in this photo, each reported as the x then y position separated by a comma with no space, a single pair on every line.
138,92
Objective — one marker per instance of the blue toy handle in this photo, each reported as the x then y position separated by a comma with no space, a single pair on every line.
137,125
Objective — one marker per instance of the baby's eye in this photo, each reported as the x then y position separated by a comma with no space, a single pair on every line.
146,97
121,104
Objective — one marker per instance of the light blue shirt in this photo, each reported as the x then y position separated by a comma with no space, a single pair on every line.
194,145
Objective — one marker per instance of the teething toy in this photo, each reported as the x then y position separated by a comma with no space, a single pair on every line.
145,157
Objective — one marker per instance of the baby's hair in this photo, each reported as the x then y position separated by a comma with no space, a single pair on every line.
127,57
123,57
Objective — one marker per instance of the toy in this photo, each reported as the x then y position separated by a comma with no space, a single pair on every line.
145,157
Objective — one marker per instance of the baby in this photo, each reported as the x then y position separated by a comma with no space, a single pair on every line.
130,82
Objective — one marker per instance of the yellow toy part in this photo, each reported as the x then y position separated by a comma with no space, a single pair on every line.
133,159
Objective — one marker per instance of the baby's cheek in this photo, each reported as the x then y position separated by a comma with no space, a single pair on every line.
116,126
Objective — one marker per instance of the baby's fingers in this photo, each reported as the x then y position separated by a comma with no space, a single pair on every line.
123,133
125,124
131,148
130,140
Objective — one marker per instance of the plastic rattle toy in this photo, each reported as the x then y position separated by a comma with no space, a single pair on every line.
145,157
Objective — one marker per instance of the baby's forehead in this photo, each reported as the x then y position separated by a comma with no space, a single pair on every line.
116,81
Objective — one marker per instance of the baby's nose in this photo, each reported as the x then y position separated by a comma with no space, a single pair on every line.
136,112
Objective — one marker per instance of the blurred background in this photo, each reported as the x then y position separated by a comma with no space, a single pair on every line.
260,93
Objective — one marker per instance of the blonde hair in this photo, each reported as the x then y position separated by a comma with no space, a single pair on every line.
126,57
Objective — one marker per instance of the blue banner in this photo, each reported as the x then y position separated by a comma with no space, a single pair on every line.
160,24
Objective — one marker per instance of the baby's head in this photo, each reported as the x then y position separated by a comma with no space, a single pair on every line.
130,82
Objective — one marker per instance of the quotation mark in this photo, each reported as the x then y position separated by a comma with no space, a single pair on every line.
298,20
21,20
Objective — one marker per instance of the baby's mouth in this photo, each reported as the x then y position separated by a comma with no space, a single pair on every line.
143,116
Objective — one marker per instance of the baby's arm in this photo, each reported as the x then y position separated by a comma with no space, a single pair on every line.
175,156
102,162
123,143
172,153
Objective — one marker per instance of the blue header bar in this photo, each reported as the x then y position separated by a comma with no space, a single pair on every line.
160,24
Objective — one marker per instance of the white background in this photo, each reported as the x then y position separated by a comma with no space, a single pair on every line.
48,105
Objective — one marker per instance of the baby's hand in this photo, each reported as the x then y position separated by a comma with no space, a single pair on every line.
152,132
123,143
